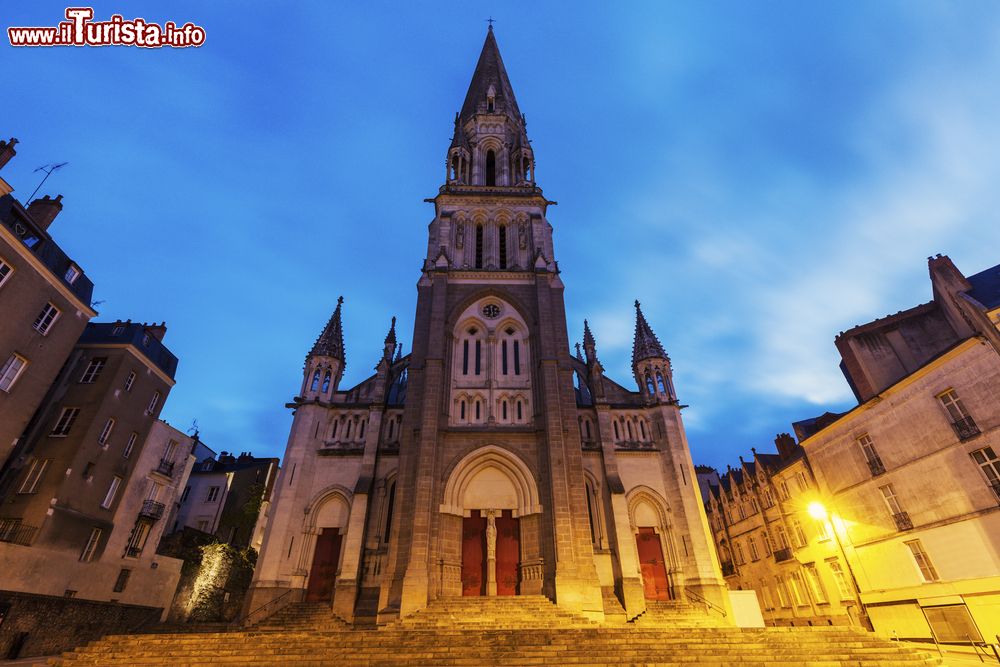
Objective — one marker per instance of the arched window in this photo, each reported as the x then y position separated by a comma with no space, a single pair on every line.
478,404
631,436
326,382
479,246
392,426
361,429
503,357
526,169
479,357
642,428
520,415
503,246
617,432
465,357
461,410
586,428
503,409
454,167
389,503
350,427
315,382
649,385
333,434
491,168
659,383
517,357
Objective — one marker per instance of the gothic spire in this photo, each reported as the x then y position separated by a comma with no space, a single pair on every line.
579,355
490,72
331,342
646,345
589,344
390,340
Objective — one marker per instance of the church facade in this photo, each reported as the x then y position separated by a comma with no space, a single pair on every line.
491,459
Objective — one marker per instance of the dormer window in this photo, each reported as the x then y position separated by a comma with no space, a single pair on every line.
72,273
491,96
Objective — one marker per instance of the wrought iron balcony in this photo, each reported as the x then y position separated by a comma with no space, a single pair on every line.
133,552
902,521
876,467
165,468
151,510
782,554
965,428
728,569
15,532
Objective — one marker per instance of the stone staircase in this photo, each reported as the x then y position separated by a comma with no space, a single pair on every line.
526,630
316,616
676,614
493,613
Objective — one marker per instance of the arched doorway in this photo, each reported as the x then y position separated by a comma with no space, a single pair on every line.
649,524
492,491
326,523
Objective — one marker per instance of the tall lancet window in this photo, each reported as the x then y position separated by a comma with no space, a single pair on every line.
491,168
315,382
479,246
326,382
503,246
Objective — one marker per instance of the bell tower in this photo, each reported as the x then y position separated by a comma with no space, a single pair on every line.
490,382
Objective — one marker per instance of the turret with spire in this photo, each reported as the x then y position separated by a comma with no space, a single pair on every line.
325,362
594,369
650,363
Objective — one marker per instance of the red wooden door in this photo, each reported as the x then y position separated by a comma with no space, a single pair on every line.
654,569
324,566
508,553
474,554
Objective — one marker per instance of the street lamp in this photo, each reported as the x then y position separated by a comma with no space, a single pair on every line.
818,511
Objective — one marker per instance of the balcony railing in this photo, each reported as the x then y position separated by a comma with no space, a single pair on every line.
902,521
15,532
996,488
876,467
728,569
151,510
133,552
782,554
165,468
965,428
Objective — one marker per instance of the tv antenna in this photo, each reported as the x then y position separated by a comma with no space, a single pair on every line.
48,169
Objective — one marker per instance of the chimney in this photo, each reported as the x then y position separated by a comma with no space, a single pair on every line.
158,331
786,445
43,211
7,151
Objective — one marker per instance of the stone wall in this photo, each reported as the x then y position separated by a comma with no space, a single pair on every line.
48,625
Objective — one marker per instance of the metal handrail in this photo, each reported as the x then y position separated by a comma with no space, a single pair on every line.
708,603
245,620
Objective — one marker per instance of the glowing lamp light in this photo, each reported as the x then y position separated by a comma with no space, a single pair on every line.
816,510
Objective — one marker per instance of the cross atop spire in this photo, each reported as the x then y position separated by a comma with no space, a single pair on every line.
331,341
491,21
645,345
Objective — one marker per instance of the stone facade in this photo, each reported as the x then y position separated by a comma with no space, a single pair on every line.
769,543
83,496
489,460
907,484
45,302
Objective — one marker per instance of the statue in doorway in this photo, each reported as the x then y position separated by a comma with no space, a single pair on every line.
491,534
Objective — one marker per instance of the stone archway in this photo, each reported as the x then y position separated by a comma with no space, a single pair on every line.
326,523
649,522
493,549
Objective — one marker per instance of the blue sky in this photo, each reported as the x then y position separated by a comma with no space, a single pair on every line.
760,175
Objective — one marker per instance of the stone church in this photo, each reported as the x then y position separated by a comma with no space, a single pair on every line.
491,460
